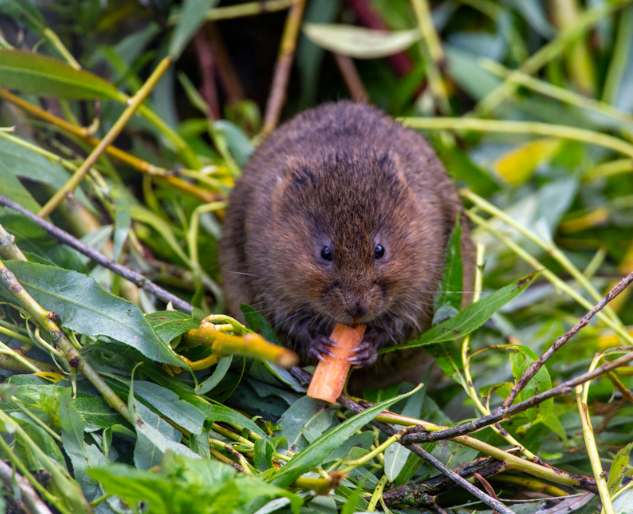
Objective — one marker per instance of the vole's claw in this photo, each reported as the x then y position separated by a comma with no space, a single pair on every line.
365,354
320,346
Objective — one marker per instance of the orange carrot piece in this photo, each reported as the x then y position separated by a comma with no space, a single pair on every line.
330,374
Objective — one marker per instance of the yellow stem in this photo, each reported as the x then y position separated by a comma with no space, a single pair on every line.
133,104
377,494
592,450
522,127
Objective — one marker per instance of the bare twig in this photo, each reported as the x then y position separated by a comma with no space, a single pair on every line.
29,498
414,448
206,63
351,77
500,414
277,96
529,373
416,495
64,237
230,82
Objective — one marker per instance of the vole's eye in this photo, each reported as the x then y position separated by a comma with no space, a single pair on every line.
379,251
326,253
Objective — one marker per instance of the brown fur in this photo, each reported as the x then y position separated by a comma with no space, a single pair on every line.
346,176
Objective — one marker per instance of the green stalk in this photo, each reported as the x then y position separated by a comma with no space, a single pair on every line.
557,282
132,105
469,384
609,169
592,450
548,52
619,58
522,127
432,52
552,91
548,246
377,494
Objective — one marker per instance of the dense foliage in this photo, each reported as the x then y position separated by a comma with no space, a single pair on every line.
115,399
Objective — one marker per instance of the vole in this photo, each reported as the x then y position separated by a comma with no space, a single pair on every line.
342,215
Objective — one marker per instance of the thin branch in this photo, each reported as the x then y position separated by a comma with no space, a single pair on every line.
64,237
500,414
132,106
206,65
529,373
388,429
351,77
416,494
29,498
227,76
277,96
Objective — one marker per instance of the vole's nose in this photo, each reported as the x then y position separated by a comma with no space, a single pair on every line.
356,309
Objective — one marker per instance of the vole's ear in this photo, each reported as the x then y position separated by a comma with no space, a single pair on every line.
390,166
296,176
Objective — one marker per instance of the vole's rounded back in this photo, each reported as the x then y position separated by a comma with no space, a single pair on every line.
341,215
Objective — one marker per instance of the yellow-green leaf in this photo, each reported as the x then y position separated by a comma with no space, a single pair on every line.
518,165
44,76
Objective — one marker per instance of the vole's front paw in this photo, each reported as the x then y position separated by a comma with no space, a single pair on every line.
365,354
320,346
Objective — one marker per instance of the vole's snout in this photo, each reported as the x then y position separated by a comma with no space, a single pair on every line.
357,303
356,309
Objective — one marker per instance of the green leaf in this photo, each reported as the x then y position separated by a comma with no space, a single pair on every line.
397,455
83,306
170,406
521,358
222,413
25,12
36,243
122,222
44,76
352,502
448,300
360,42
460,166
619,467
12,188
471,318
190,20
82,456
218,374
256,322
305,416
170,324
184,484
96,413
318,451
154,436
25,163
